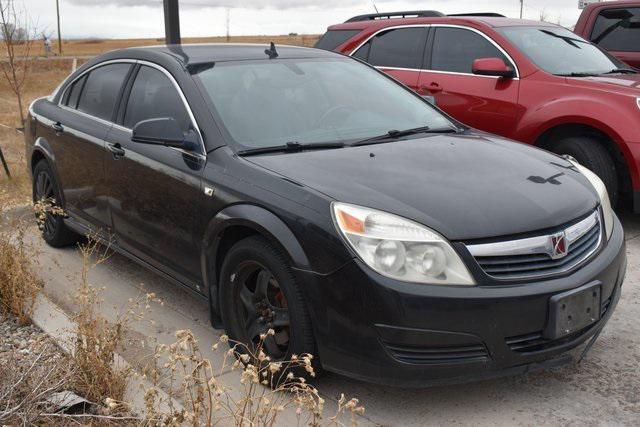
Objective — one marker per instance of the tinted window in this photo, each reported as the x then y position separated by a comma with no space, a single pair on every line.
618,30
266,103
400,48
102,89
455,49
154,96
561,52
334,38
74,93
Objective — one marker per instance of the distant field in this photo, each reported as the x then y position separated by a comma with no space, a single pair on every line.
92,47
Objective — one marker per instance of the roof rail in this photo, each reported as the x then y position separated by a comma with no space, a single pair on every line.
481,14
409,14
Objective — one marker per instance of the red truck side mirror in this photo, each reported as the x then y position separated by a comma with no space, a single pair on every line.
493,67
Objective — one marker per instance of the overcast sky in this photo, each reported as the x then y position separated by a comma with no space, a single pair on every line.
143,18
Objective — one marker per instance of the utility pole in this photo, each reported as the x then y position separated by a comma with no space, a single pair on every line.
172,22
521,7
59,33
228,24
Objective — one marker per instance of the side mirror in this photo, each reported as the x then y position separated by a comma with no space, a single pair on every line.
493,67
163,131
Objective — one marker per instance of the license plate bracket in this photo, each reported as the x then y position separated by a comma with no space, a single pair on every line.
573,311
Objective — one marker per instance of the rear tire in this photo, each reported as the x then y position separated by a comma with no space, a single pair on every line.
590,153
246,263
54,231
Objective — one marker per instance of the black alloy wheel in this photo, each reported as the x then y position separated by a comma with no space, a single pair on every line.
258,292
45,190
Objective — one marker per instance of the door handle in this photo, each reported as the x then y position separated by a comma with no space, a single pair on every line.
58,127
434,87
117,151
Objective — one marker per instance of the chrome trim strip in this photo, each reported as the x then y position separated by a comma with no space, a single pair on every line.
534,245
489,39
152,65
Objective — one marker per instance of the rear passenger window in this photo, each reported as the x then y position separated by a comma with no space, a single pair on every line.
74,92
154,96
102,89
618,30
399,48
455,49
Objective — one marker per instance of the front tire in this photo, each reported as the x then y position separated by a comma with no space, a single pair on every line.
45,188
258,292
593,155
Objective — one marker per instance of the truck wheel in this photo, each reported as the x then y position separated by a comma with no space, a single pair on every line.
594,156
54,231
258,292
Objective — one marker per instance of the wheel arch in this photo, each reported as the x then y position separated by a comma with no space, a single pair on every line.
233,224
607,137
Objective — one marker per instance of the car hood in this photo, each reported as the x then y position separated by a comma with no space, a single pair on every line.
467,186
626,84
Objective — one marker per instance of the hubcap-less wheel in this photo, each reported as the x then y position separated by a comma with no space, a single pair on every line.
45,192
262,306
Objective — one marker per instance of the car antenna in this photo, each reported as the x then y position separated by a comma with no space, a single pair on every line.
271,52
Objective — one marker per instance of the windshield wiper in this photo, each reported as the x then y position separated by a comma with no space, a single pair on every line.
395,134
577,75
622,71
290,147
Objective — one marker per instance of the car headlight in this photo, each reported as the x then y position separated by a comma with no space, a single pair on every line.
601,189
399,248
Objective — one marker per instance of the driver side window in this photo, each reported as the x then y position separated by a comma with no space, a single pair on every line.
154,96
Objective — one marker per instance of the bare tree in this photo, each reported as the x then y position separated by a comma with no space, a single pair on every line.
17,35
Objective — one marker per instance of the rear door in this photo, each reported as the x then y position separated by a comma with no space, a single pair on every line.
482,102
78,138
618,31
155,191
396,51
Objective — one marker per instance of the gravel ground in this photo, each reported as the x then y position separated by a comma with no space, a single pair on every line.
20,342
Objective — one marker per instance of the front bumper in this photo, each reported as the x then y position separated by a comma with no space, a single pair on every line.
380,330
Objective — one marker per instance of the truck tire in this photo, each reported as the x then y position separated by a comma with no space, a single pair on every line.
590,153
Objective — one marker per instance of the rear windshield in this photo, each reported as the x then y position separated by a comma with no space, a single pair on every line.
334,38
266,103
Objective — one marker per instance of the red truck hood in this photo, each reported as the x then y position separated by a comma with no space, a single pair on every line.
626,84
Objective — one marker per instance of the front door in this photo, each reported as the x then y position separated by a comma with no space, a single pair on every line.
486,103
155,191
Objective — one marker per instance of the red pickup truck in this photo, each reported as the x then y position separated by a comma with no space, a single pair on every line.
530,81
615,27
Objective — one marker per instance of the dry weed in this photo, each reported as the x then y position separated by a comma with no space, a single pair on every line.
19,282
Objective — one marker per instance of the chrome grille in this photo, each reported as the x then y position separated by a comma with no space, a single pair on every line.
539,256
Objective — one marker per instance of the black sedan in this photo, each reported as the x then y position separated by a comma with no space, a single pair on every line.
305,192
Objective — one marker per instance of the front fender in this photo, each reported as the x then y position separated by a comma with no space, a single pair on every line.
259,219
611,121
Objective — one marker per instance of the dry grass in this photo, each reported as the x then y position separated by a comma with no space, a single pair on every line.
91,47
19,282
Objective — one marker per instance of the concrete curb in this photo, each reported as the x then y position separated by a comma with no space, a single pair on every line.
54,322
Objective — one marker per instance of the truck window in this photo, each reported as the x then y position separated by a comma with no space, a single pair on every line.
618,30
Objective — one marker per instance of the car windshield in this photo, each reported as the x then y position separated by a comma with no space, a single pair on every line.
561,52
267,103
